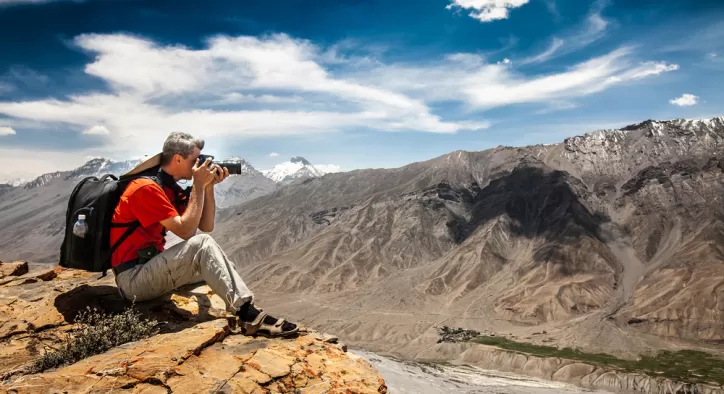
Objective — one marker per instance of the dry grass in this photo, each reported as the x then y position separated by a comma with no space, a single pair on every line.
96,332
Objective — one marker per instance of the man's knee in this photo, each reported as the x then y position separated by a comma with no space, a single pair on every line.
202,241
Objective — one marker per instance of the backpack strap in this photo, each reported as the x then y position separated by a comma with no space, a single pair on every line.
132,226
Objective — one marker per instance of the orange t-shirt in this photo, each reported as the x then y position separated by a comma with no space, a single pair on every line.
145,201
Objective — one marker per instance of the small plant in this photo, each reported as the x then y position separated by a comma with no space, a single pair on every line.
683,365
96,333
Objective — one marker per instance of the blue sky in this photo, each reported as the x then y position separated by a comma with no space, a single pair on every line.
348,83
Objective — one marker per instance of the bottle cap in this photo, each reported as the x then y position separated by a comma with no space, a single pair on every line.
81,217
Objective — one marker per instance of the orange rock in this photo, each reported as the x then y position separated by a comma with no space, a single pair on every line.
13,269
192,355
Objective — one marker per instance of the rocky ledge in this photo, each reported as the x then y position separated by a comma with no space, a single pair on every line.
198,348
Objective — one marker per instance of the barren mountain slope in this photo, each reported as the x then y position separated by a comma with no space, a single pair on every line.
610,241
610,233
32,220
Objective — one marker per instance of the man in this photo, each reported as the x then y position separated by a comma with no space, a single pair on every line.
144,270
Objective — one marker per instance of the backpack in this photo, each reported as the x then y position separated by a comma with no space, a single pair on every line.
97,200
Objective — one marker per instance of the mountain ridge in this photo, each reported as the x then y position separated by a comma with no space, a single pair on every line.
568,238
456,225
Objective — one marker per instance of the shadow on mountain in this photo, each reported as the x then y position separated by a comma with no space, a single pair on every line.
539,204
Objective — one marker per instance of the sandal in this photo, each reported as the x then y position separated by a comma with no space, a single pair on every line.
258,327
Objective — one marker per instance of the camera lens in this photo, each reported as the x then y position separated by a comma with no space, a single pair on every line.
233,167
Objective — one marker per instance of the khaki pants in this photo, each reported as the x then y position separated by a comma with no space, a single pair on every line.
198,259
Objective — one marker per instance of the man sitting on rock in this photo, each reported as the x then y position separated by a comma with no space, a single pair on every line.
144,270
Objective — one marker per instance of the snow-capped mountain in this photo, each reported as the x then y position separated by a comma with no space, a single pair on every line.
297,167
100,166
238,188
94,167
42,180
13,182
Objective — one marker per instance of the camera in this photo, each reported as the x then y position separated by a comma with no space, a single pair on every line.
234,167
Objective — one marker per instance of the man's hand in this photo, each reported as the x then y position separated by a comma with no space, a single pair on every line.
219,175
203,174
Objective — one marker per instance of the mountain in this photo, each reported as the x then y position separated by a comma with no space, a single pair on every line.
296,168
8,184
100,166
94,167
13,182
609,242
4,188
236,189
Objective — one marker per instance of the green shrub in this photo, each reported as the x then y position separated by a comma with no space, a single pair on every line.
96,333
683,365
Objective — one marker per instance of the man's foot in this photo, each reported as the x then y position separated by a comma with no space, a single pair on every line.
256,322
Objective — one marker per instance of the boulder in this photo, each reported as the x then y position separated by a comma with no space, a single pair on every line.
197,350
13,269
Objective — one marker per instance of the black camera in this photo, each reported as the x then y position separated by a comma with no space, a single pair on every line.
234,167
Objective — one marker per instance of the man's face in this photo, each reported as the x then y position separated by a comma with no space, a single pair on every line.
186,165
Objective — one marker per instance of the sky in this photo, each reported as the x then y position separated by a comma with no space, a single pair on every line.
346,84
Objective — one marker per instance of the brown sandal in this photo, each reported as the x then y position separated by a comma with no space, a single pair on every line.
258,327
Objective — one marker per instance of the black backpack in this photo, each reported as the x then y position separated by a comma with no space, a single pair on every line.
97,200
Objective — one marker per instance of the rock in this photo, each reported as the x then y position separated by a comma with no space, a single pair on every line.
42,275
197,350
13,269
205,358
271,363
12,327
330,338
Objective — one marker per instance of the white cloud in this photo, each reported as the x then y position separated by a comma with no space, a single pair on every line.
6,131
553,8
328,168
97,130
158,89
701,38
593,29
37,162
685,100
484,86
556,44
712,55
6,87
273,154
505,61
237,98
241,87
26,76
487,10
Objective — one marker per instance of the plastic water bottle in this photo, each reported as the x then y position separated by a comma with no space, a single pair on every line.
80,228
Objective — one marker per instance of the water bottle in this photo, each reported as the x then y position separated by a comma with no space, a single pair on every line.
80,228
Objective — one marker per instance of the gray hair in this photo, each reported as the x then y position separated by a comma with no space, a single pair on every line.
179,143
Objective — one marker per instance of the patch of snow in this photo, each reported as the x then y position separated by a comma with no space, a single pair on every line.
296,167
14,182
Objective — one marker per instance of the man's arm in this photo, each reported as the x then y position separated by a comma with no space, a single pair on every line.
206,224
209,213
185,225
